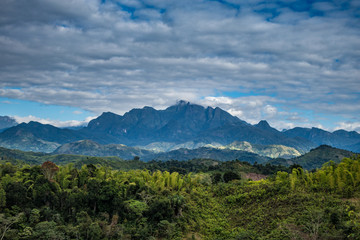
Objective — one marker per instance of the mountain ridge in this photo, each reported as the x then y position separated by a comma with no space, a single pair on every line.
183,125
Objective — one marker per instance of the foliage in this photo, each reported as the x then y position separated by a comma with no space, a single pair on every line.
98,202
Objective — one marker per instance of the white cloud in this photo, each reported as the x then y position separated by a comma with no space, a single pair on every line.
56,123
350,126
100,57
77,112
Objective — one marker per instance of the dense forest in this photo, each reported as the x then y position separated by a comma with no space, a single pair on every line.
198,199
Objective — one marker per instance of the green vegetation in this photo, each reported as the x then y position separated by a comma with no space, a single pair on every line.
207,200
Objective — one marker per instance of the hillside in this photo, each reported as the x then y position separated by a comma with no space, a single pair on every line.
340,138
63,202
37,137
316,157
271,151
91,148
184,154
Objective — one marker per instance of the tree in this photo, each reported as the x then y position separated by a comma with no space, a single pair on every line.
49,169
6,223
230,175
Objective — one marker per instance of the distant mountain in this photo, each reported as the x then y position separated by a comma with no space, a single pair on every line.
37,137
90,148
272,151
169,146
6,122
183,125
207,153
316,157
176,124
12,155
255,134
340,138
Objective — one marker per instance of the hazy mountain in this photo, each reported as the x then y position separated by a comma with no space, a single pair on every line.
255,134
90,148
6,122
169,146
316,157
340,138
207,153
272,151
37,137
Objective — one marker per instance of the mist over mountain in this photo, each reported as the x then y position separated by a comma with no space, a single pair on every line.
6,122
183,125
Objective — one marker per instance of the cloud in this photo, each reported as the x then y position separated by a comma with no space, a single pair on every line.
350,126
117,55
56,123
77,112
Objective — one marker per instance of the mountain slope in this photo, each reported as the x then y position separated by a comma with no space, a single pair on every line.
255,135
340,138
272,151
316,157
184,154
178,123
37,137
90,148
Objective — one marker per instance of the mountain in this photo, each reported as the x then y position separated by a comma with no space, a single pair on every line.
90,148
179,123
272,151
316,157
183,125
264,125
255,134
6,122
37,137
28,157
340,138
184,154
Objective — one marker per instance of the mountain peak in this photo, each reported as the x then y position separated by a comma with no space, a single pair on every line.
182,103
264,125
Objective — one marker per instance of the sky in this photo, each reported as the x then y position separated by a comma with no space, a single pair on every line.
292,63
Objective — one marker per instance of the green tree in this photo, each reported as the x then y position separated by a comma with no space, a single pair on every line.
230,175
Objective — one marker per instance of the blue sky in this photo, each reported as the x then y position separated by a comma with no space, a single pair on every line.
293,63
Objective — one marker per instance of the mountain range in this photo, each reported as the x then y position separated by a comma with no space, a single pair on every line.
183,125
311,160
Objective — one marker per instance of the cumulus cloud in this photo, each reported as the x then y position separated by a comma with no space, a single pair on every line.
117,55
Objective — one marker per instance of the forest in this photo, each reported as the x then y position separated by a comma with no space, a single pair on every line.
197,199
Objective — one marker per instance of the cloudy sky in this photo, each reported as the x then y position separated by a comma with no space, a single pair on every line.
293,63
